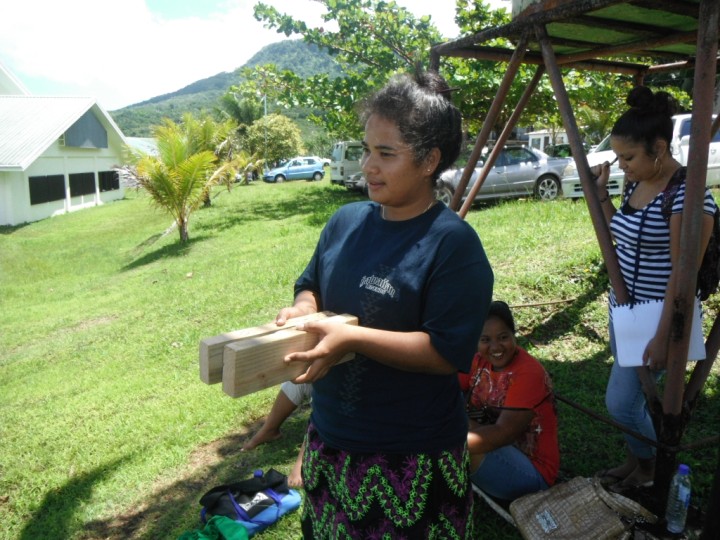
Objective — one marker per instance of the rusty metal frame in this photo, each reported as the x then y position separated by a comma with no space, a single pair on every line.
670,411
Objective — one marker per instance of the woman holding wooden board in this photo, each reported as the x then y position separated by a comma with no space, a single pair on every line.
386,450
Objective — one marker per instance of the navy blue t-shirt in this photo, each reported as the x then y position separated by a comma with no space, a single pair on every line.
429,274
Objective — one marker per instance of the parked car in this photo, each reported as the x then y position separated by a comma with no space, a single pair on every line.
324,161
357,182
572,188
297,168
519,171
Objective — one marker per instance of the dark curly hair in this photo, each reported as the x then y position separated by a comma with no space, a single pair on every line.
423,111
649,118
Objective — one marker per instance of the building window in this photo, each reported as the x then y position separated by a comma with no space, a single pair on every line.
82,184
109,180
47,188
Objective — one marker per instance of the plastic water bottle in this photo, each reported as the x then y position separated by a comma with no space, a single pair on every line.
678,500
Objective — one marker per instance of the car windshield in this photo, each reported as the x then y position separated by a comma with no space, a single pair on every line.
354,153
604,145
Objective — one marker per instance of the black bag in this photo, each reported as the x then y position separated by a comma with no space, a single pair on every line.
256,503
708,276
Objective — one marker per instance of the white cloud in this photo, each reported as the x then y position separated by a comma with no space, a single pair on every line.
121,53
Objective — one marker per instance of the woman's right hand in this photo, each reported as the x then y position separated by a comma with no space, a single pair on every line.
601,173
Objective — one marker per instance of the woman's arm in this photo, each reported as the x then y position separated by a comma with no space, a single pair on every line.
655,355
510,426
409,351
602,176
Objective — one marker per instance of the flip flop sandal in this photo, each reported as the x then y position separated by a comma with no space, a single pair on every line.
606,478
628,486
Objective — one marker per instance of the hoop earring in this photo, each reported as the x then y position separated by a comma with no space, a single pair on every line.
658,166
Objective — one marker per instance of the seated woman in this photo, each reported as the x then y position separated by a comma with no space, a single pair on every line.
512,436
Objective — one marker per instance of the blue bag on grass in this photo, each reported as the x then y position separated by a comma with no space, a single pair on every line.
255,503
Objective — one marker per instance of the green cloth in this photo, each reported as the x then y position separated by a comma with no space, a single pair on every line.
217,528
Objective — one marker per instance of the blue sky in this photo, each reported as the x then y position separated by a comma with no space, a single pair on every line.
126,51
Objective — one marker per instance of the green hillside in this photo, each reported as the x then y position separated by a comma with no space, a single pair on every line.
304,59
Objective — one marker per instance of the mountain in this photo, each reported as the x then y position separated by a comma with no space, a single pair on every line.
293,54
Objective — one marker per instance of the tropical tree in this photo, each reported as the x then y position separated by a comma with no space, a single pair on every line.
274,137
179,177
220,138
376,39
247,166
243,111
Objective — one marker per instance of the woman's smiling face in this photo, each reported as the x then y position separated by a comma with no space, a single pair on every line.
497,343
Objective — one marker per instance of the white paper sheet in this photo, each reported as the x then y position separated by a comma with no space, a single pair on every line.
635,326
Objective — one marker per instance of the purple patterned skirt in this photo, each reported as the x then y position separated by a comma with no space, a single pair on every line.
385,496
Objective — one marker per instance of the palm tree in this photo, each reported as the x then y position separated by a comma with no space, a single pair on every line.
180,176
242,111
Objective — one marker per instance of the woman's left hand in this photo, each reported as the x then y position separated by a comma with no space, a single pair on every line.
332,346
655,355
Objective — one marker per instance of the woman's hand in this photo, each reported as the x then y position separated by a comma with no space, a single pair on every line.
655,355
289,313
332,346
306,303
601,173
509,427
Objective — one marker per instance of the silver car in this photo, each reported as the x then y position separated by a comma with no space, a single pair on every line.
357,182
519,171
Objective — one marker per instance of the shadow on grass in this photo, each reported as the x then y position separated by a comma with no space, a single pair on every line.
176,249
317,205
174,507
10,229
55,516
569,316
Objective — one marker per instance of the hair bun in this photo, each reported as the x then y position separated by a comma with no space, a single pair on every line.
645,101
433,83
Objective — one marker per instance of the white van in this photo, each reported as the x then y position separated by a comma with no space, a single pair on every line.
345,161
679,146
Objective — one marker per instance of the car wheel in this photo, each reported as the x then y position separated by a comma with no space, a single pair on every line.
279,178
318,176
547,188
444,194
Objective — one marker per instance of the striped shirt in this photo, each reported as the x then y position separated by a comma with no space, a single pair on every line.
642,243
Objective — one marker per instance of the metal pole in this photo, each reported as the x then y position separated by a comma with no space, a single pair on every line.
265,124
519,108
489,122
596,214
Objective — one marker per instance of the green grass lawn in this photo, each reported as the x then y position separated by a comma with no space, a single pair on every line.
106,430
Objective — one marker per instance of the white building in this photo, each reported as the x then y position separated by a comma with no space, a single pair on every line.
57,154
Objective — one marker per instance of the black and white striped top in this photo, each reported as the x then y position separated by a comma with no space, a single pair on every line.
642,244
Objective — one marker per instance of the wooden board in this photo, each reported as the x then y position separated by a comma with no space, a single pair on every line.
256,363
211,349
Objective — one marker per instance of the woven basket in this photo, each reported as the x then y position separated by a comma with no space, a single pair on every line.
579,508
